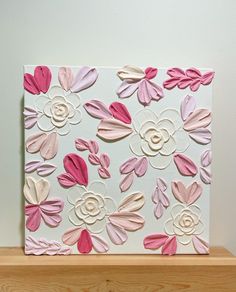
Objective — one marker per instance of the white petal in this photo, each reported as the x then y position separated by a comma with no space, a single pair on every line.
74,99
166,125
135,144
176,210
142,117
160,161
75,193
55,91
40,102
182,140
147,150
98,226
147,126
58,124
199,228
173,116
47,109
169,227
110,205
97,187
73,218
195,209
177,231
64,130
156,146
44,123
184,239
165,134
168,147
76,118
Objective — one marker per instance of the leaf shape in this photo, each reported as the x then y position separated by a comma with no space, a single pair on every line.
184,82
97,109
81,144
65,77
164,200
200,118
171,83
188,105
30,84
148,91
201,135
52,207
71,236
30,121
206,158
104,173
36,192
158,210
193,73
150,72
161,184
94,159
99,244
104,160
34,142
120,112
170,246
126,182
205,175
186,195
207,78
127,89
34,217
195,84
49,148
84,244
76,166
116,233
85,78
141,167
176,72
185,165
29,111
46,169
128,220
93,146
131,73
200,245
132,203
128,165
155,241
112,130
42,76
31,166
66,180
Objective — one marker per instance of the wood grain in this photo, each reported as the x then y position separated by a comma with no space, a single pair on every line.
216,271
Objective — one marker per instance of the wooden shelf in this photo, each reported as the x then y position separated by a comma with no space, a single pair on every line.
18,272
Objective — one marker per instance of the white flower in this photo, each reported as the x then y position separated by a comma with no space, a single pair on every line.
158,137
58,110
185,222
91,206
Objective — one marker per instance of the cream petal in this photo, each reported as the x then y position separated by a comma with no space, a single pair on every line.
58,124
135,144
142,117
97,227
195,209
40,102
160,161
59,99
79,212
147,150
168,147
64,130
71,110
44,123
173,116
74,218
147,126
182,140
169,227
184,239
75,193
166,125
97,187
199,228
55,91
47,109
165,134
156,146
76,119
176,210
177,230
74,99
36,191
110,205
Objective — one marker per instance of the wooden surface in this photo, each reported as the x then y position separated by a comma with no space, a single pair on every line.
214,272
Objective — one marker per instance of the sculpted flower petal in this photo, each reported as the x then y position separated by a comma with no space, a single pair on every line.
135,145
147,148
170,246
99,244
154,241
127,89
97,109
84,244
58,124
188,105
66,180
206,158
148,125
185,239
49,148
200,245
36,191
141,167
74,218
166,125
64,130
128,220
160,161
185,165
42,76
74,99
205,175
40,102
126,182
45,124
85,78
173,116
110,205
98,187
142,117
201,135
169,227
128,165
131,73
182,140
116,233
76,118
71,236
65,77
75,193
132,203
200,118
97,227
120,112
169,147
55,91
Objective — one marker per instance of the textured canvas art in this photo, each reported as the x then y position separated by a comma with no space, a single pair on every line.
117,160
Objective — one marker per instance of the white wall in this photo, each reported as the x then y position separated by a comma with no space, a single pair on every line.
108,32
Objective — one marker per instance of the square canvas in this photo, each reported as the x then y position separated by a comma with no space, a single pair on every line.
117,160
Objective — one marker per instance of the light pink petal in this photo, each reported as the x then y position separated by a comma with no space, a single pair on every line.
84,244
30,84
99,244
164,200
193,73
185,165
49,148
147,91
179,191
132,203
207,78
150,72
128,220
200,118
30,121
85,78
141,167
116,233
65,77
127,182
206,158
34,142
120,112
66,180
97,109
200,245
176,72
94,159
81,144
51,220
34,217
76,166
188,105
161,184
195,84
128,165
46,169
127,89
112,130
30,112
156,195
104,160
201,135
205,175
171,83
93,146
43,76
184,82
194,191
52,207
158,210
71,236
32,165
104,173
154,241
170,246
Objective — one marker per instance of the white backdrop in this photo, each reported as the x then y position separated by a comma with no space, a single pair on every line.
113,33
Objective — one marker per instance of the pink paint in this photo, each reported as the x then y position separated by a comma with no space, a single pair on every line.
97,109
99,244
93,146
188,105
94,159
200,118
170,246
127,89
150,72
116,233
66,180
84,244
205,175
104,172
31,166
185,165
104,160
120,112
85,78
49,148
42,76
141,167
155,241
148,91
126,182
128,165
186,195
34,217
72,235
65,77
206,158
201,135
81,144
200,245
128,220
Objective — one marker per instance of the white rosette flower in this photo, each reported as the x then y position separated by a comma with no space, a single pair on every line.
91,206
158,137
58,110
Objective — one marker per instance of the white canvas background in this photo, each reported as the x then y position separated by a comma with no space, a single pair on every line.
113,33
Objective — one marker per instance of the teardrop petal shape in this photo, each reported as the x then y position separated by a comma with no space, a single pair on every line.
141,167
155,241
200,118
34,142
99,244
126,182
85,78
131,73
200,245
128,165
132,203
120,112
43,76
188,105
116,233
185,165
65,77
170,246
84,244
49,148
97,109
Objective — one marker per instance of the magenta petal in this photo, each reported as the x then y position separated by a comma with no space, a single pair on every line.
184,82
207,78
185,165
66,180
188,105
34,217
104,160
200,245
43,76
30,84
195,84
97,109
85,78
93,146
141,167
127,89
120,112
176,72
104,173
154,241
94,159
126,182
81,144
84,244
128,165
52,206
170,246
193,73
171,83
150,72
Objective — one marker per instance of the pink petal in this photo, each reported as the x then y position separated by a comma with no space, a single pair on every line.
99,244
52,207
188,105
65,77
170,246
206,158
132,203
104,173
158,210
42,76
46,169
34,217
154,241
150,72
200,118
201,135
156,195
32,165
194,191
127,89
76,166
184,82
128,220
200,245
51,220
116,233
148,91
176,72
185,165
34,142
112,130
84,244
141,167
195,84
93,146
164,200
186,195
30,84
207,78
85,78
127,182
97,109
171,83
104,160
81,144
29,112
120,112
193,73
66,180
128,165
94,159
179,191
205,175
161,184
30,121
71,236
49,148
